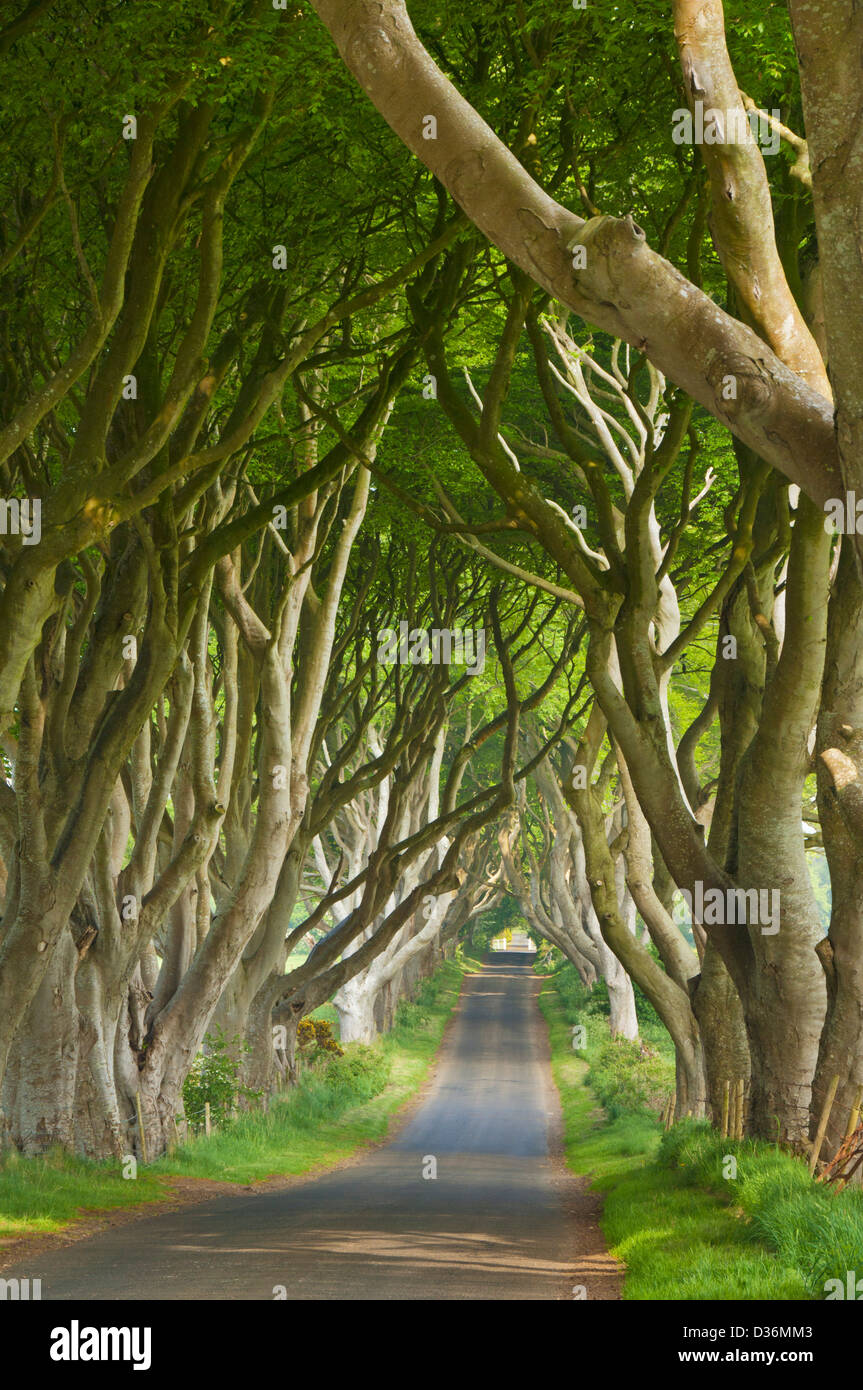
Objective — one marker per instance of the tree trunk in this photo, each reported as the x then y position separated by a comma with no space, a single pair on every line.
716,1005
840,767
39,1090
355,1003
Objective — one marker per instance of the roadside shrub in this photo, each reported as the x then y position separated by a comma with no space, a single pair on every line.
417,1012
411,1014
630,1077
315,1039
427,994
689,1144
578,1001
214,1077
360,1070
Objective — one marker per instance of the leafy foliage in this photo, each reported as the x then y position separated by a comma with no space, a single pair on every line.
214,1078
360,1070
628,1077
315,1039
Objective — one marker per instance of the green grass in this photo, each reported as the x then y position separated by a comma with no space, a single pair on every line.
39,1196
682,1233
315,1125
812,1228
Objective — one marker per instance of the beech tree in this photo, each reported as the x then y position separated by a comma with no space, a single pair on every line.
134,418
770,356
570,354
555,899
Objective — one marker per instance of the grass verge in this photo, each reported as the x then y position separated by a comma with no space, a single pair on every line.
317,1124
682,1230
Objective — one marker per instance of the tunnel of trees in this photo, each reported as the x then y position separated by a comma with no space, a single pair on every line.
429,455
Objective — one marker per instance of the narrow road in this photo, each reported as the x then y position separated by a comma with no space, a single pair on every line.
501,1220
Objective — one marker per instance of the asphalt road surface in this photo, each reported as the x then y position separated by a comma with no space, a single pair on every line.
501,1220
